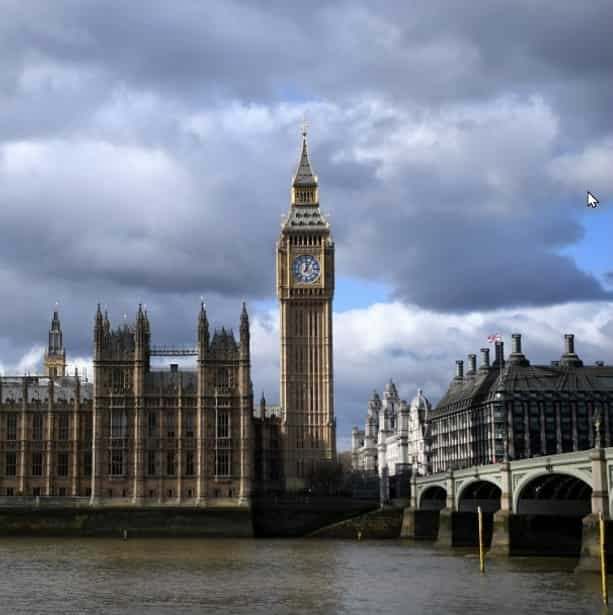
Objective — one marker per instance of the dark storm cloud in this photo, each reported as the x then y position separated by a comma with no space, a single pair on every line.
453,262
432,53
146,150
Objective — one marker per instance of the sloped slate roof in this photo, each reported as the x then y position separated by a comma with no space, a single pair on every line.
525,379
223,341
304,173
305,218
163,380
38,388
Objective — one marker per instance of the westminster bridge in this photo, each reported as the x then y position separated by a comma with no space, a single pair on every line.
557,494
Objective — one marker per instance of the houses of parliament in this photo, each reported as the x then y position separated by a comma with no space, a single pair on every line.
139,435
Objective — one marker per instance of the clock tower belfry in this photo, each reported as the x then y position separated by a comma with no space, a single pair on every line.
305,287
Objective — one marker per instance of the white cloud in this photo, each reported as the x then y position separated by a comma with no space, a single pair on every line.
31,362
418,348
84,366
586,169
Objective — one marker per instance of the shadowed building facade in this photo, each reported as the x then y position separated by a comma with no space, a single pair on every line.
305,288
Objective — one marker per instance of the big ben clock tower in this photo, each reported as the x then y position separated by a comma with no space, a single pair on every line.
305,287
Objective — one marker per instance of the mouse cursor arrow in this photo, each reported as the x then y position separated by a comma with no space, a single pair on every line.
592,201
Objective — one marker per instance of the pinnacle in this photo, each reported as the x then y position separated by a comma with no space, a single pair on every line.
304,174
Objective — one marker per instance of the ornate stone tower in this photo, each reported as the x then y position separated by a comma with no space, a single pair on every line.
305,287
55,356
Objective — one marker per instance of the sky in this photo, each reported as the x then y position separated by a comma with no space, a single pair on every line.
147,151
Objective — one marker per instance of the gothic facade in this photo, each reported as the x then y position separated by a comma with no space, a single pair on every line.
139,434
173,434
46,428
136,434
396,437
45,436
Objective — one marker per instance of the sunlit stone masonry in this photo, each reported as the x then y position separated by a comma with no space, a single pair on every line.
395,441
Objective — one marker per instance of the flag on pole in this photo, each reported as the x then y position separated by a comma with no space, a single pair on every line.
494,338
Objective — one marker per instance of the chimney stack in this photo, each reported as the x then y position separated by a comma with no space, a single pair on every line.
472,364
517,357
570,358
485,358
459,370
499,354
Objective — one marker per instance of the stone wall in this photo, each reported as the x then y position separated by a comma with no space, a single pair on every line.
381,523
419,524
231,522
288,516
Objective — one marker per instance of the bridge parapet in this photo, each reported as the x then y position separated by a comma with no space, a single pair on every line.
594,467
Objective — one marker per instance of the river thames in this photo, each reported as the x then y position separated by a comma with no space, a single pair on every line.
325,577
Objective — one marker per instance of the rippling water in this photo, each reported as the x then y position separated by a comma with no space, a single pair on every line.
279,576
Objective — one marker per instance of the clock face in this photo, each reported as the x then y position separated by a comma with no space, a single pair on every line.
306,268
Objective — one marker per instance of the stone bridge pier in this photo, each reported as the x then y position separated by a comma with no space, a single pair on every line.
542,497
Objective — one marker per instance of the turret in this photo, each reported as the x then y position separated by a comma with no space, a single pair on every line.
374,404
55,356
203,333
56,345
141,332
99,333
246,405
390,392
384,423
106,325
147,341
244,334
403,419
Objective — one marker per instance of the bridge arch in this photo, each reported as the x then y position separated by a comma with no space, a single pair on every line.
569,489
433,497
482,491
